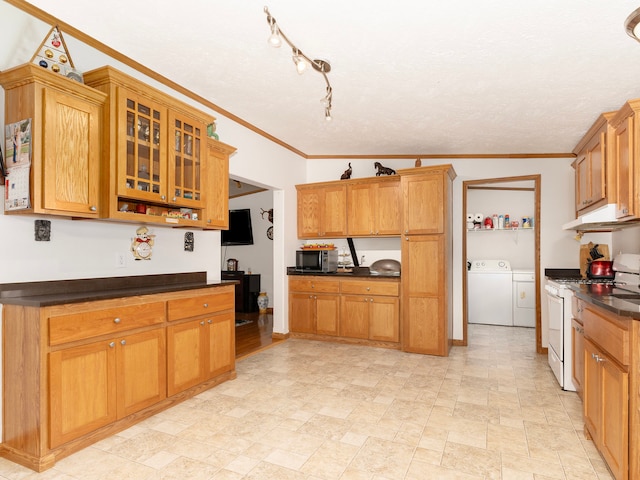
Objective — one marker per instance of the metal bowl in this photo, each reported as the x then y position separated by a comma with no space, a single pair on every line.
386,267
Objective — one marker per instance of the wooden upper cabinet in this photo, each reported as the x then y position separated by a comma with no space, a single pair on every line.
142,171
625,155
595,171
217,202
65,140
157,152
187,157
322,210
373,207
422,201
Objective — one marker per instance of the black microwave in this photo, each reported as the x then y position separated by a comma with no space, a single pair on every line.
319,261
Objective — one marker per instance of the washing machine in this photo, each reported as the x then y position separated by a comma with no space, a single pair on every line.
524,297
490,292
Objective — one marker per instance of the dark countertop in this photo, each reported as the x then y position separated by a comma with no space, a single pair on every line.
359,272
603,296
59,292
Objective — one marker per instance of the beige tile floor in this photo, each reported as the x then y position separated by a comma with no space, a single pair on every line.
314,410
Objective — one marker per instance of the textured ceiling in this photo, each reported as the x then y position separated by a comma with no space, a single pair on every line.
409,77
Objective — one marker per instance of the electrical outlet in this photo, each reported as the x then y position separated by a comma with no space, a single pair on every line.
121,260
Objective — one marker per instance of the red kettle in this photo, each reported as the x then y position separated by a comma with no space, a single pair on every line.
600,269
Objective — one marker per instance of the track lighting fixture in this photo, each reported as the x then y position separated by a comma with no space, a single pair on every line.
632,25
302,61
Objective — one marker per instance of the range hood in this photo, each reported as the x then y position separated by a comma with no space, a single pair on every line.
601,219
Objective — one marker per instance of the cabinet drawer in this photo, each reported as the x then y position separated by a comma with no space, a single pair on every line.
195,306
314,285
370,287
78,326
607,334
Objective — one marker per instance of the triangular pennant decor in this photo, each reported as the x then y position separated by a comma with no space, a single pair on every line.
54,56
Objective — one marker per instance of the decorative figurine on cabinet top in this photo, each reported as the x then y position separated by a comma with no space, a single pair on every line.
382,170
141,244
347,173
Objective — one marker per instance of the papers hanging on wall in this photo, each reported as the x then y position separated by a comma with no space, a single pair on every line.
18,163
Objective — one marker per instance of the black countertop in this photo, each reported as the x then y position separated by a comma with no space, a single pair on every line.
59,292
359,272
610,297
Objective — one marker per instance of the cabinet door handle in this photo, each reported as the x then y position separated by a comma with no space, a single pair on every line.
206,305
174,199
123,342
116,320
209,321
93,208
112,344
202,322
371,300
162,197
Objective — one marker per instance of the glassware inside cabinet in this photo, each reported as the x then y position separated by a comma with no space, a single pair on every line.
187,161
143,137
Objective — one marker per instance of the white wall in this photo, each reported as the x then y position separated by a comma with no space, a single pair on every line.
516,246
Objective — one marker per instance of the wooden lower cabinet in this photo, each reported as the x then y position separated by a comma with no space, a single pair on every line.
354,319
314,305
372,318
363,310
198,350
606,407
76,373
610,405
426,313
115,378
314,313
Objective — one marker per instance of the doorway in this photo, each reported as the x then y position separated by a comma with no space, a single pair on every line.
505,184
253,263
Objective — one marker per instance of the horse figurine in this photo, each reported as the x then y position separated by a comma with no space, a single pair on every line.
347,173
382,170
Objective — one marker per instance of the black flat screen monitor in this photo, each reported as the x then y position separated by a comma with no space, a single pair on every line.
240,231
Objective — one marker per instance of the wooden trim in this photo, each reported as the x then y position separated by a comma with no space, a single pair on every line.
101,47
503,188
420,156
346,340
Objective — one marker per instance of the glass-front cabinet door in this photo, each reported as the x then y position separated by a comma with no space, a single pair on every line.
186,158
142,167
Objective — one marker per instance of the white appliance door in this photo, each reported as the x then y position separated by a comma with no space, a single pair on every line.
524,304
556,317
490,298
